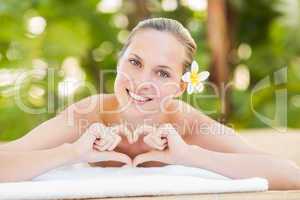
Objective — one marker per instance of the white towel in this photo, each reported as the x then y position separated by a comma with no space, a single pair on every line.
81,181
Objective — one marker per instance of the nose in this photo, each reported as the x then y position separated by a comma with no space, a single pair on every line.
144,83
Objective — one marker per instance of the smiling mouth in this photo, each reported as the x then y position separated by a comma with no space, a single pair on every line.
138,98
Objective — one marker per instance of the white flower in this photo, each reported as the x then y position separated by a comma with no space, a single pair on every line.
195,79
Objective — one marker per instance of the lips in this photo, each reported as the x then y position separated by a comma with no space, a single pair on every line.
138,98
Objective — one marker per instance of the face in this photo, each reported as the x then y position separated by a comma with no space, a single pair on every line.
149,72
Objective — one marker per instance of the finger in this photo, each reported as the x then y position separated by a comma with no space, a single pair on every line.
130,139
101,148
170,133
144,130
99,142
160,147
150,156
123,130
163,131
98,139
173,135
135,136
96,147
157,139
115,156
150,142
107,138
128,134
164,144
89,137
97,129
107,145
103,142
147,140
115,143
157,145
164,141
95,141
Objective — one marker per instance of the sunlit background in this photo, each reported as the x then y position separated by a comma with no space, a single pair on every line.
239,42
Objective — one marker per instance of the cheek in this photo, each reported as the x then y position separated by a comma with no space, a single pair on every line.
124,75
121,81
168,89
125,68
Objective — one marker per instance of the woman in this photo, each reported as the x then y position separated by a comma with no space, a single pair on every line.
142,122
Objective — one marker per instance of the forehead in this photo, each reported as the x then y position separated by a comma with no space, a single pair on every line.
157,47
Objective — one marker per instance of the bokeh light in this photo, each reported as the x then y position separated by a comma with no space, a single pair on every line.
241,77
36,25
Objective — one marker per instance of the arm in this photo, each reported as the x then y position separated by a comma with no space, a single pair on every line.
228,153
40,150
281,174
203,131
66,127
49,134
21,166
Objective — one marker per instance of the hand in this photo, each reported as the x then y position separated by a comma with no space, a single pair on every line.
153,136
108,139
174,154
122,129
85,149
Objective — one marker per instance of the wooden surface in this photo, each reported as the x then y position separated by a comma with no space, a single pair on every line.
285,145
270,195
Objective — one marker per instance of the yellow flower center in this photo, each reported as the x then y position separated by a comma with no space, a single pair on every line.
194,78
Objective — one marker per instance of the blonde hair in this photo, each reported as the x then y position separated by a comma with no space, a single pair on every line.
167,25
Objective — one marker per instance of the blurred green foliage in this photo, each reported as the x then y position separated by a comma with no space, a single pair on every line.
39,34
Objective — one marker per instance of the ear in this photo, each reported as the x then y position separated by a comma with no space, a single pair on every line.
182,88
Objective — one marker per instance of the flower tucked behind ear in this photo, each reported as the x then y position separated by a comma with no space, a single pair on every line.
195,79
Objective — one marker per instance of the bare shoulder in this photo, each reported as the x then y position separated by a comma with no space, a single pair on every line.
180,111
208,133
184,116
91,107
189,119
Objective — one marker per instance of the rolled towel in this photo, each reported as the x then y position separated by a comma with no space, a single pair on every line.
94,182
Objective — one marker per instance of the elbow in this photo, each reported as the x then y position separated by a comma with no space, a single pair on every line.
294,181
6,179
290,179
13,176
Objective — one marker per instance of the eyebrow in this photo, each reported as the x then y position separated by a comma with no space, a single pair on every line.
136,56
165,67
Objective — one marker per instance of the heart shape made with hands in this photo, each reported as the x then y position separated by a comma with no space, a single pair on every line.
166,142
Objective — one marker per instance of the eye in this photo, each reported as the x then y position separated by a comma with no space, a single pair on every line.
163,74
135,62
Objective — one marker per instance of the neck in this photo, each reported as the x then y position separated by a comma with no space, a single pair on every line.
136,120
